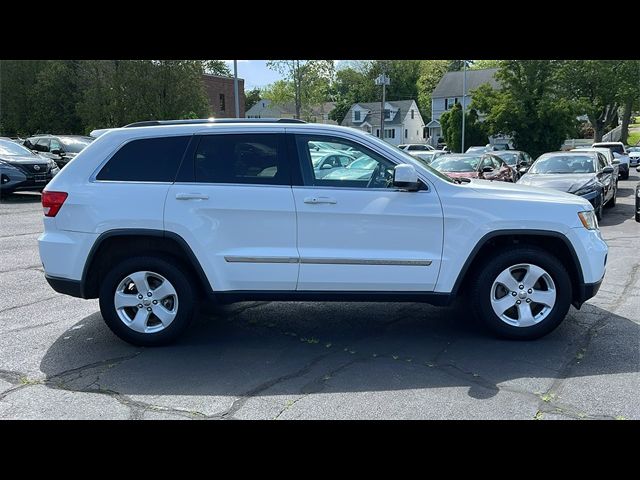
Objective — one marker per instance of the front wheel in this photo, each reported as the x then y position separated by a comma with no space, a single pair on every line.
147,301
599,208
523,293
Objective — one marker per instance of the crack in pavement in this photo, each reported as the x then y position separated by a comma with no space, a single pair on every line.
30,303
21,269
29,327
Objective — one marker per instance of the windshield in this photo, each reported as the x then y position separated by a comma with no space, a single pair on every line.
9,148
456,163
508,157
563,164
614,147
75,145
634,149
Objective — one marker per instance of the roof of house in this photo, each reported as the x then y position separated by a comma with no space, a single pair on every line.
373,117
450,84
289,108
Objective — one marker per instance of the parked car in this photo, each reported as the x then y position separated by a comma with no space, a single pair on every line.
617,148
415,147
330,161
60,148
609,157
518,160
428,157
153,220
22,169
582,173
634,156
486,167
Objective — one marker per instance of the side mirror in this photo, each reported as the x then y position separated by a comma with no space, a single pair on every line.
326,166
616,162
607,169
638,168
487,169
57,151
523,170
406,177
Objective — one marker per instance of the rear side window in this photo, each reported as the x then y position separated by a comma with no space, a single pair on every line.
146,160
242,158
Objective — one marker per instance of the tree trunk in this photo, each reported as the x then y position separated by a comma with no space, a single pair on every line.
598,128
626,119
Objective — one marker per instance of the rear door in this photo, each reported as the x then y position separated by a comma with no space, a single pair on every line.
232,203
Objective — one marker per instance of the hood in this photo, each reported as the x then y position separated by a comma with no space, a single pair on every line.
462,174
565,182
517,191
25,159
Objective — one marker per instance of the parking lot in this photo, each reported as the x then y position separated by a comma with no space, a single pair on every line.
275,360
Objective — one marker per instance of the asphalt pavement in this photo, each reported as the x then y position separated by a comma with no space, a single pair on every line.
288,360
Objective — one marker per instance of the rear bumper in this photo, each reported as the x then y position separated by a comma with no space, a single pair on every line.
66,286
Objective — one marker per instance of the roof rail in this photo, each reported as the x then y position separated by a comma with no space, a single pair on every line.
153,123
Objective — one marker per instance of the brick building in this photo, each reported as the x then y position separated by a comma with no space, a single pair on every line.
220,94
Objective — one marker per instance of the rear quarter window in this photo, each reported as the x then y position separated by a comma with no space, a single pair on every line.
146,160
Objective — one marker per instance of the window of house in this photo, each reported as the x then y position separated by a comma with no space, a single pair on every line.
389,133
378,132
450,102
406,132
412,114
356,115
387,114
222,105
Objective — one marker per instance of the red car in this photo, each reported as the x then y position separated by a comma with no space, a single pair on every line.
485,166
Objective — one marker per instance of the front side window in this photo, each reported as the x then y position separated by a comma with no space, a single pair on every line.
358,167
242,158
602,162
42,145
146,160
55,145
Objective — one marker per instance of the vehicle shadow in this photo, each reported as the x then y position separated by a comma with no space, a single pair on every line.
275,348
20,197
617,215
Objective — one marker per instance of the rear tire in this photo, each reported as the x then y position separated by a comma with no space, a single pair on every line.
527,320
132,319
612,202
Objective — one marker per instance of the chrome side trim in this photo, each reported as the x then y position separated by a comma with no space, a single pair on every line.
364,261
327,261
235,259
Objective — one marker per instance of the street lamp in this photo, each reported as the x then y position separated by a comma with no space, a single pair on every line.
464,93
383,80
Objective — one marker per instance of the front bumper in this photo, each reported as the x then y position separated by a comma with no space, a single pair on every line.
585,292
634,161
593,197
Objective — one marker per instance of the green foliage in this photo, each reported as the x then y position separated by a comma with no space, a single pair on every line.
530,106
478,64
77,96
305,83
251,98
216,67
431,71
474,130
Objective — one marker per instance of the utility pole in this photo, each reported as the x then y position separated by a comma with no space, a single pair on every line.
235,88
383,80
464,93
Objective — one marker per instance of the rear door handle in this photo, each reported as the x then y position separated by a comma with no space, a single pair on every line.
191,196
320,200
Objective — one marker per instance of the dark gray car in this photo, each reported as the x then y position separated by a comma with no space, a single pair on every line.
22,169
59,148
586,174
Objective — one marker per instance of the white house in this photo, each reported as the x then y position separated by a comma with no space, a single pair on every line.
267,109
402,124
448,92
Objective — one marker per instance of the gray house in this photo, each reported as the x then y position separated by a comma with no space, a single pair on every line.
448,92
402,124
267,109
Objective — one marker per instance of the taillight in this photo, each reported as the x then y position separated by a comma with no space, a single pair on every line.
52,202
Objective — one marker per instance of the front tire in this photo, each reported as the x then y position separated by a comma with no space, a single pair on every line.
599,209
147,301
523,293
612,201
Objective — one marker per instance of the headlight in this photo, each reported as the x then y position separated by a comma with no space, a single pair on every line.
8,166
588,187
588,219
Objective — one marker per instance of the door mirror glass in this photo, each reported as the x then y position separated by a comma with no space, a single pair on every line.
616,162
405,177
607,169
487,169
327,166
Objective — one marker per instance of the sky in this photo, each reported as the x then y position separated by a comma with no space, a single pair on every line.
255,73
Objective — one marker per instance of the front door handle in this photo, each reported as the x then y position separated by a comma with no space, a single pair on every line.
191,196
320,200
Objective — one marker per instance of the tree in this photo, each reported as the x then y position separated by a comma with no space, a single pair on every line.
629,94
529,107
352,85
310,80
430,73
216,67
17,80
594,86
478,64
252,97
451,124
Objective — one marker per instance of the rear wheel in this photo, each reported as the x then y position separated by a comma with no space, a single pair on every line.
146,301
612,202
523,293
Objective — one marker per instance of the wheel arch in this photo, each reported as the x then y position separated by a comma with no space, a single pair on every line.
555,242
118,244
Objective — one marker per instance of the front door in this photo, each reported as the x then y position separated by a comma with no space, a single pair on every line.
356,232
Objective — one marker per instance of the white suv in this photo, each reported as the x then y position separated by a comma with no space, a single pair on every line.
154,219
